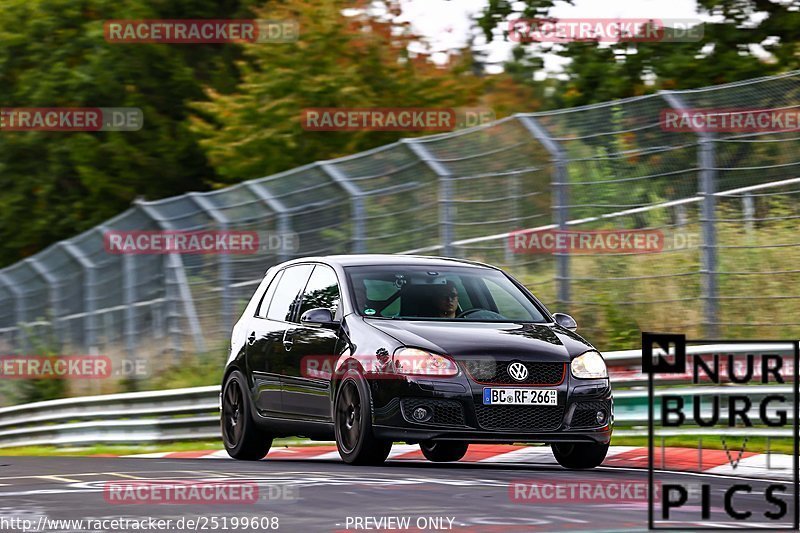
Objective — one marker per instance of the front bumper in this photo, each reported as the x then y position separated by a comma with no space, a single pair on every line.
461,415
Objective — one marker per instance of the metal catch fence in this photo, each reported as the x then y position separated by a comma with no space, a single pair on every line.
726,202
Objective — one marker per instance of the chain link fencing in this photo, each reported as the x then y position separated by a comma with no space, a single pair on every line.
725,202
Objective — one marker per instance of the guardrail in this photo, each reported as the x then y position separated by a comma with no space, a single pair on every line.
136,417
193,413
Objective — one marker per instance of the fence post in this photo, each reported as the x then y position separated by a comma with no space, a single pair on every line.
224,260
513,193
680,215
709,190
560,199
128,298
748,206
52,289
88,294
706,162
172,311
276,206
175,263
356,203
19,312
445,193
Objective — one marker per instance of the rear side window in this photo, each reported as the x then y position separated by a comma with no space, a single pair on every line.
287,293
322,291
264,304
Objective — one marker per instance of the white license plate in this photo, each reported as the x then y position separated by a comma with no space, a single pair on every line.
518,396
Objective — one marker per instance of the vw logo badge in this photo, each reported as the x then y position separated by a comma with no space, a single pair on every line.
518,371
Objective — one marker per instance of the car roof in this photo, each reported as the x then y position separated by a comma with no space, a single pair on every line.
391,259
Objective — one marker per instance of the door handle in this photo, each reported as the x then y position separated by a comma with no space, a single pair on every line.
251,339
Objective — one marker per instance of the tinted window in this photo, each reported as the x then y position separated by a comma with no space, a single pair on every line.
507,305
264,305
287,293
378,290
322,290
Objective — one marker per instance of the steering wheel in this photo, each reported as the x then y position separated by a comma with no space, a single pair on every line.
468,312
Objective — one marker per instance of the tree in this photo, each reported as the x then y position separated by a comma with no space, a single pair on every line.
54,54
357,58
736,48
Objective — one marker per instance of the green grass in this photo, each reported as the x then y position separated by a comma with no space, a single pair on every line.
129,449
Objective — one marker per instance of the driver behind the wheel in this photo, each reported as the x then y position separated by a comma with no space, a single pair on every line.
445,300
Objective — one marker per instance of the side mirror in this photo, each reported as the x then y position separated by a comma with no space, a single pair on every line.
319,317
565,321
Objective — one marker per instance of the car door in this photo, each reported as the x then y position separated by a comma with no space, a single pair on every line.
306,393
266,353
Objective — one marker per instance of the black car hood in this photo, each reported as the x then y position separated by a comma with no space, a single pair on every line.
540,342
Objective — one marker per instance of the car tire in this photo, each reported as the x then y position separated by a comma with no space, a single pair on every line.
579,455
352,423
443,452
243,439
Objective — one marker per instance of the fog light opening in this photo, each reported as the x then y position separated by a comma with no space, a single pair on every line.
601,417
422,414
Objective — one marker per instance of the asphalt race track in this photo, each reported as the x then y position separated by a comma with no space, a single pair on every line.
330,496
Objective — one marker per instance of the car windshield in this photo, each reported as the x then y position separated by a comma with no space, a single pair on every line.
436,293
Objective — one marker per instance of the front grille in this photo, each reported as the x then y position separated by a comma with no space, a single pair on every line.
519,417
496,372
445,412
585,414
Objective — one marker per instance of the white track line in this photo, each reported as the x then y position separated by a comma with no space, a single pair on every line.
526,454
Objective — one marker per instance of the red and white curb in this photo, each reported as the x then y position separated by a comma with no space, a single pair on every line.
757,465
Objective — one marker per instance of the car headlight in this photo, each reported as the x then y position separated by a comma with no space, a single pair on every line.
589,366
416,362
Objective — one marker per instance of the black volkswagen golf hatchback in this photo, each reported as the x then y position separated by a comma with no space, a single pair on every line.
374,349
